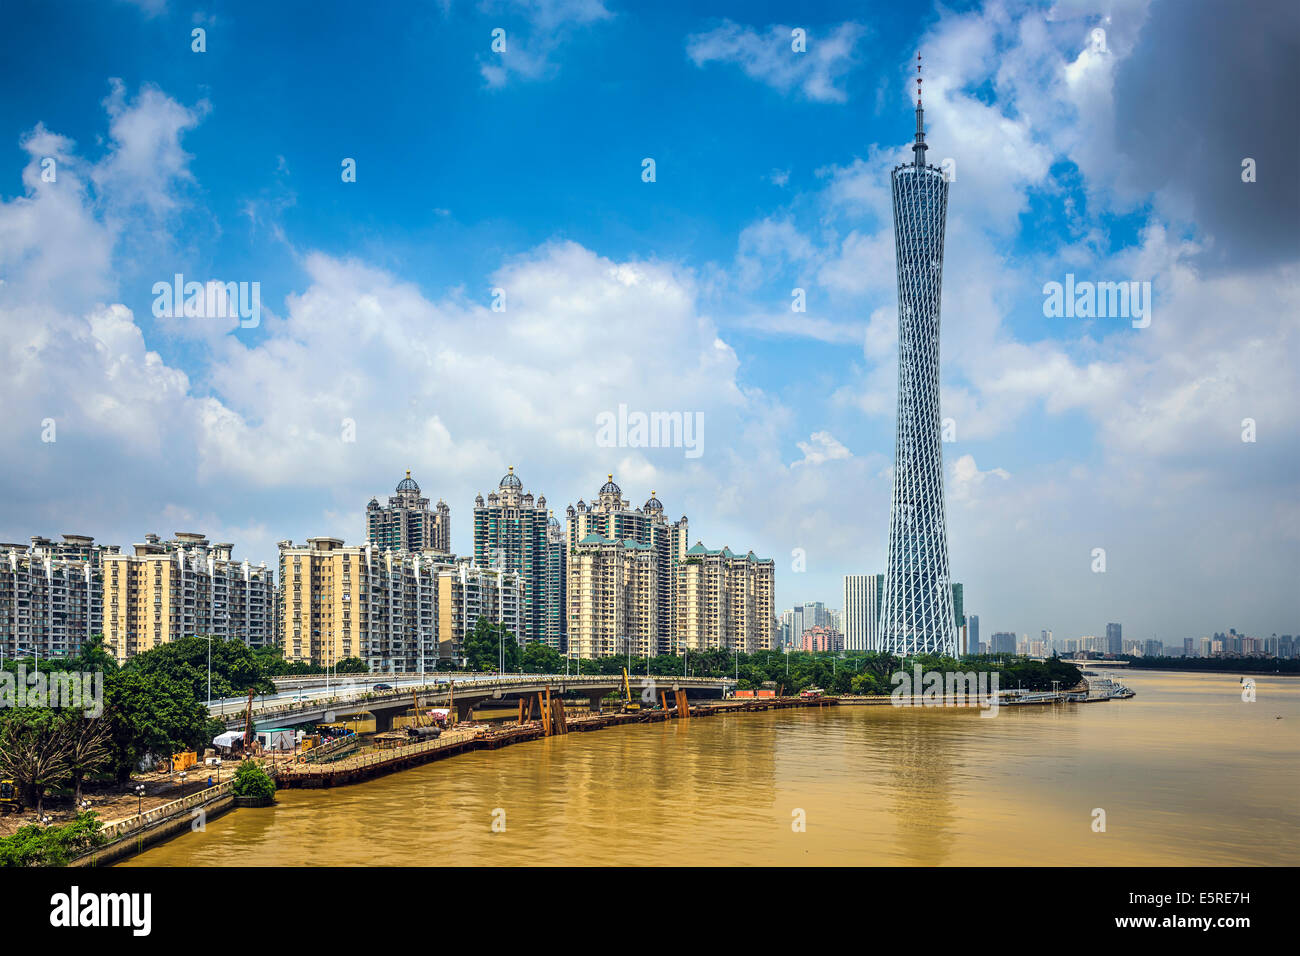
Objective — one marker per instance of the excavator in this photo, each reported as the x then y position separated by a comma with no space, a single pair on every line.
10,799
629,705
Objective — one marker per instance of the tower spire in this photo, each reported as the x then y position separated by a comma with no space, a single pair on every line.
919,148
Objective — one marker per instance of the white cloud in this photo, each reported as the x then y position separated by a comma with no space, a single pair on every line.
530,49
820,448
770,57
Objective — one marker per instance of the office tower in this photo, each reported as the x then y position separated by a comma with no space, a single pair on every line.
51,595
785,628
613,598
973,638
917,614
1188,647
511,534
408,523
863,594
185,587
612,516
1003,642
723,600
959,618
1114,639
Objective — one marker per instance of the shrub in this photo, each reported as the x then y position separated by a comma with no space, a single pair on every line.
252,781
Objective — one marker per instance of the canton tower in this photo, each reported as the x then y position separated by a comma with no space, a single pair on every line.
916,615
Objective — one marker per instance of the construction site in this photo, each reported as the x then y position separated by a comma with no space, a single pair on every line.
425,734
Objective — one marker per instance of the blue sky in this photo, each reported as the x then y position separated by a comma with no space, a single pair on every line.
522,171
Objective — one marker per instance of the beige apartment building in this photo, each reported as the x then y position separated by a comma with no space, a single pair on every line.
185,587
614,598
612,516
722,600
633,579
398,611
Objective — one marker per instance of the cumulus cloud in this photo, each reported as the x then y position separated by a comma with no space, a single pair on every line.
820,448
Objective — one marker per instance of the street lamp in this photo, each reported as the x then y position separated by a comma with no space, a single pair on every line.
139,793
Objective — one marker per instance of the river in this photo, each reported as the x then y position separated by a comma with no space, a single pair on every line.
1186,772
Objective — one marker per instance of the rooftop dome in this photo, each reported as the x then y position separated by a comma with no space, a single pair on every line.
408,484
654,504
609,488
511,480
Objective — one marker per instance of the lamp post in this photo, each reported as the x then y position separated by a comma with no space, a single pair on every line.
139,794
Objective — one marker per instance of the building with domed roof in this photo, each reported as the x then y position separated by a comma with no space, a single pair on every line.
512,533
610,516
408,523
635,584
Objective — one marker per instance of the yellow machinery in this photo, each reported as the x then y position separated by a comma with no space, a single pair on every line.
10,801
628,703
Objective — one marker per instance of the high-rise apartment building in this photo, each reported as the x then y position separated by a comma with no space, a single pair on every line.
185,587
723,600
399,611
465,593
610,515
614,597
973,637
51,595
557,585
863,595
511,533
917,615
408,523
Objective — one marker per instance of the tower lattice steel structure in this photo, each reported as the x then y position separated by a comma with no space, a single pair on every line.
916,614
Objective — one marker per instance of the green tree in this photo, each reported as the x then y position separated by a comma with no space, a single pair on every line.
35,845
484,645
235,670
150,714
539,658
33,751
252,781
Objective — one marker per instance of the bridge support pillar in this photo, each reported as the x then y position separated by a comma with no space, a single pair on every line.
464,710
383,720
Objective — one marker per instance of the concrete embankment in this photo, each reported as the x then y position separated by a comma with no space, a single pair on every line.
130,836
